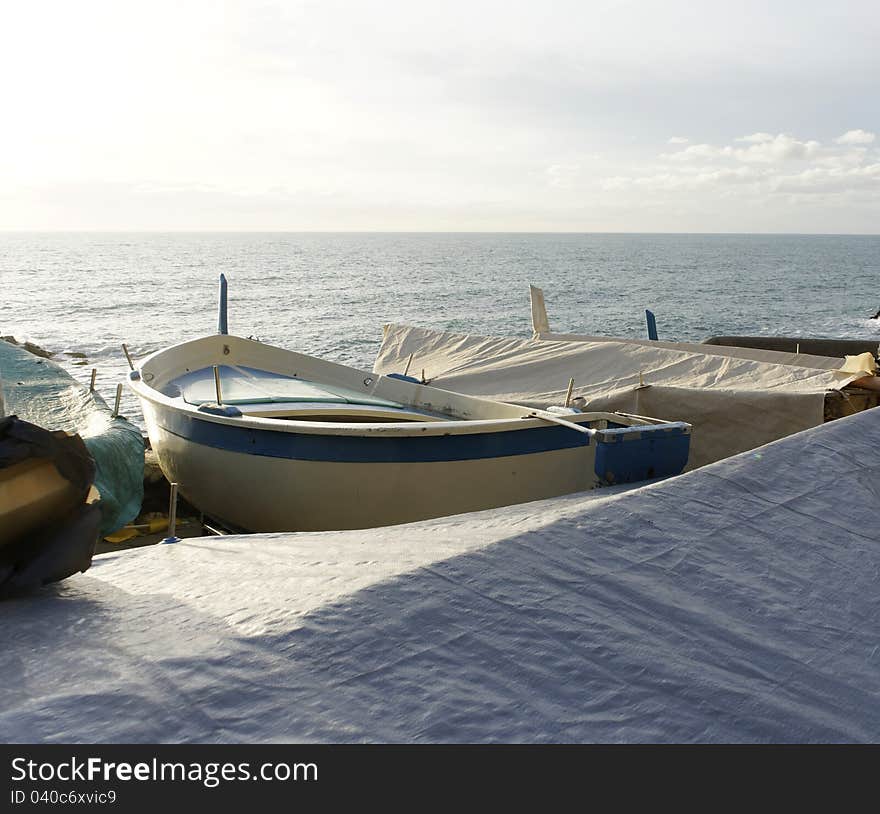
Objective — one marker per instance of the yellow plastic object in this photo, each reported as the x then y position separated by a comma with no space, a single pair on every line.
863,363
121,536
128,532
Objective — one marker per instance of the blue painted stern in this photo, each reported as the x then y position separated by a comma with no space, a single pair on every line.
629,455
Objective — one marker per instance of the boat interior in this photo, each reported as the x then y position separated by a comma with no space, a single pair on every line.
266,394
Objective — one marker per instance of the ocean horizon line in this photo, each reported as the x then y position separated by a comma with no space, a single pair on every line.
420,232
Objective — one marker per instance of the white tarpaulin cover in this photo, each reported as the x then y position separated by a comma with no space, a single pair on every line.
773,357
738,602
541,329
735,399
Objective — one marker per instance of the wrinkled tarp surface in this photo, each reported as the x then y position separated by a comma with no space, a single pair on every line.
41,392
734,603
735,401
773,357
772,349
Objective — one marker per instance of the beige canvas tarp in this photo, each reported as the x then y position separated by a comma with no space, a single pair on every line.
541,330
735,401
773,357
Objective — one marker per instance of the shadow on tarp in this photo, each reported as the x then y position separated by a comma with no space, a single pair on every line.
736,603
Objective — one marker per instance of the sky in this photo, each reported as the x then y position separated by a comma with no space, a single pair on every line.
455,116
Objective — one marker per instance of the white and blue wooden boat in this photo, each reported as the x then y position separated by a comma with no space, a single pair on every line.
266,439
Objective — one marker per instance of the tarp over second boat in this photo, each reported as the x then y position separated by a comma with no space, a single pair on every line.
735,401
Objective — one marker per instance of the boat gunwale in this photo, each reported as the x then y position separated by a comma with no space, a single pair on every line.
384,428
379,428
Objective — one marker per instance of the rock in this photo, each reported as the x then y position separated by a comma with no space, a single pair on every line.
152,472
30,347
36,350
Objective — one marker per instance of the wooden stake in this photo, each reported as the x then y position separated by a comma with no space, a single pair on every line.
118,400
217,385
127,355
568,394
92,383
172,516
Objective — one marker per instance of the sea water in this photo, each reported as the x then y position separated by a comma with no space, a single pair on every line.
329,294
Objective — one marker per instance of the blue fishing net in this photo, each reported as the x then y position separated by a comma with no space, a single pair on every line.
41,392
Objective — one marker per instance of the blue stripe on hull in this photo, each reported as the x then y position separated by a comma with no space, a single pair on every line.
360,449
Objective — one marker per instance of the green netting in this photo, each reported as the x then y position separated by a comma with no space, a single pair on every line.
39,391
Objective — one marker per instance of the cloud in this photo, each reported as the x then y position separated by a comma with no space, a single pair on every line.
736,175
778,148
698,152
680,181
678,140
843,159
761,169
757,138
856,137
823,180
765,149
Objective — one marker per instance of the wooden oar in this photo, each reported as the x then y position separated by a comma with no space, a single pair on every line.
561,422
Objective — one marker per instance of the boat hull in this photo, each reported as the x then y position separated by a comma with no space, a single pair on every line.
262,492
265,439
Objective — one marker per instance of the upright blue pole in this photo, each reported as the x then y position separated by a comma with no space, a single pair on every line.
652,324
222,327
